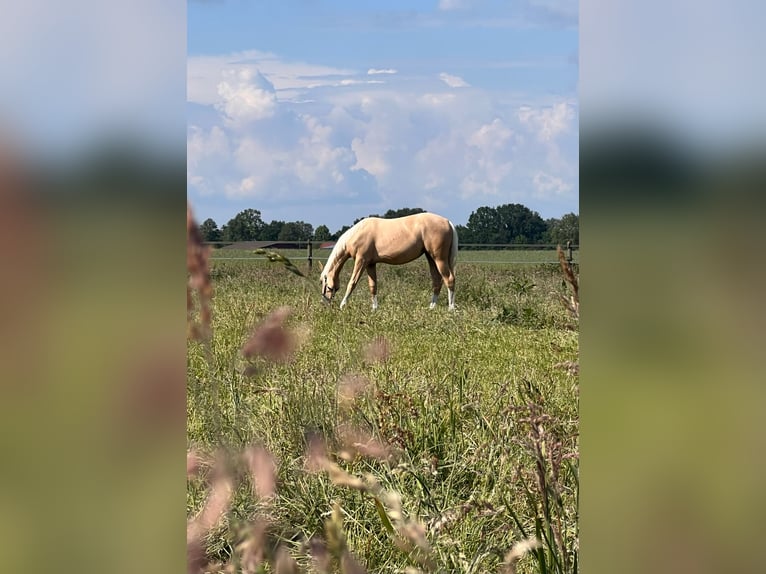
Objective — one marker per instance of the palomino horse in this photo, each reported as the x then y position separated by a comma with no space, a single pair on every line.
394,241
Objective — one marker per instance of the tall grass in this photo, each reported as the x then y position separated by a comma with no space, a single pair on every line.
399,438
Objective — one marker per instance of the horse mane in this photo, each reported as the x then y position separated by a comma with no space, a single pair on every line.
339,248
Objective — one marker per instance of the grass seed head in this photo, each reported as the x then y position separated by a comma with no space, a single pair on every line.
271,339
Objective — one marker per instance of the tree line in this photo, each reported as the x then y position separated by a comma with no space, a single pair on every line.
511,223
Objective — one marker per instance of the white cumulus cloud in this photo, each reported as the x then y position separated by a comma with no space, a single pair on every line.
373,71
548,123
405,143
245,96
547,186
453,81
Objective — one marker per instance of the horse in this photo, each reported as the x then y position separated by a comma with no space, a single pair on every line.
397,241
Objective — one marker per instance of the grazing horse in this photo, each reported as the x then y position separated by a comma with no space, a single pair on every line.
394,241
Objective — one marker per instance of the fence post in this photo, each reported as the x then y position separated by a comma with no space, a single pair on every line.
310,253
569,252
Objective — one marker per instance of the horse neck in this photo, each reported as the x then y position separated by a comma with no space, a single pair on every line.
335,263
338,263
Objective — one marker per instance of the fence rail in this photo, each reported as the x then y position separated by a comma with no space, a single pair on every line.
311,255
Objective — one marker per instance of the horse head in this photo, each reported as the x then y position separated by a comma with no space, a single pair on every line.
328,283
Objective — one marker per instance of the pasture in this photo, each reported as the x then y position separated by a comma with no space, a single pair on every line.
470,417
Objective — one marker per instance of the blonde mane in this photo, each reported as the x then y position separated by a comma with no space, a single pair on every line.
338,249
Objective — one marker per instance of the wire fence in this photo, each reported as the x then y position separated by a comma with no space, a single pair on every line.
476,253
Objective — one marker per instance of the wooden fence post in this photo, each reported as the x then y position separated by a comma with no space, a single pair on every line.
310,253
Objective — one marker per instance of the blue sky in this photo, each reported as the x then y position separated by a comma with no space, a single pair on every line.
329,111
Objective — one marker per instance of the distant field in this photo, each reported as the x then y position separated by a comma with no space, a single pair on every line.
479,407
464,256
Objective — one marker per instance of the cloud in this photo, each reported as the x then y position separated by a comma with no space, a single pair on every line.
412,142
548,186
549,122
491,136
204,74
373,71
245,96
453,81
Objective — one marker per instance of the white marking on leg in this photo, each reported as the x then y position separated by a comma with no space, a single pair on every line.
343,303
433,301
451,298
374,302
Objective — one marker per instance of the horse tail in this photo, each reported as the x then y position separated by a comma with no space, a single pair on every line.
453,249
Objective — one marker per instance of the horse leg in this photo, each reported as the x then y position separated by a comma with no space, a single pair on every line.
372,281
436,281
355,275
448,277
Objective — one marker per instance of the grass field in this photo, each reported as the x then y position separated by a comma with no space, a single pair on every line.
504,256
449,436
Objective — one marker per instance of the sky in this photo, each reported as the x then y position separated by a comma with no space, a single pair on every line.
328,111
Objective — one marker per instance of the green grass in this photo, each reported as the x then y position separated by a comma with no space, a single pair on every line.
509,256
462,397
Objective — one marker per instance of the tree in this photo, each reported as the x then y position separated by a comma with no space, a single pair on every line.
463,234
484,226
322,233
509,223
394,213
209,230
296,231
271,230
521,224
245,226
565,229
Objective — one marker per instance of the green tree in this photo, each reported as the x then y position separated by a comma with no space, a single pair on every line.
394,213
463,234
296,231
322,233
247,225
271,230
484,226
565,229
521,224
509,223
209,230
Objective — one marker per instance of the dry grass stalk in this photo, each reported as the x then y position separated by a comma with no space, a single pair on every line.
197,265
275,257
410,535
215,507
356,442
377,351
320,557
571,367
271,339
548,453
350,388
193,463
517,551
284,563
452,516
573,301
350,565
252,548
263,471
